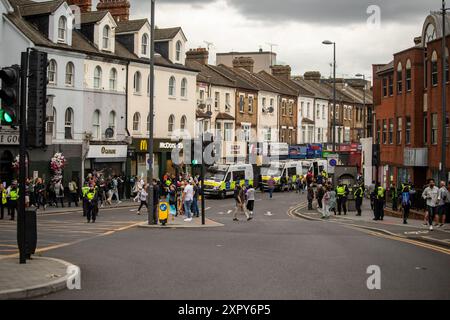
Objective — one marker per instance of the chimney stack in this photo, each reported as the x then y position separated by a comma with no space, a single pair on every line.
119,9
282,72
246,63
312,75
84,5
199,55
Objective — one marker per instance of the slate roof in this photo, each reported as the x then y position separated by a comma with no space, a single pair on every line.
29,8
208,74
239,81
275,82
386,68
92,17
166,33
224,116
130,26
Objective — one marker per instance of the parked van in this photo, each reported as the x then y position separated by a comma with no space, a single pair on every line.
221,180
293,169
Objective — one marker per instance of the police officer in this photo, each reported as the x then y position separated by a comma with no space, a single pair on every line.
3,201
358,194
13,193
342,193
92,202
379,202
84,191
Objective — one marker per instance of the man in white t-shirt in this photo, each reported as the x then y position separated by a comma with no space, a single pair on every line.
188,197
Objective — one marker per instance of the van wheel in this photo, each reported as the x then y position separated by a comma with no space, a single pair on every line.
223,195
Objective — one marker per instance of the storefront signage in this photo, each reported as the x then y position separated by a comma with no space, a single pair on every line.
159,145
275,149
298,152
168,146
9,137
314,151
107,151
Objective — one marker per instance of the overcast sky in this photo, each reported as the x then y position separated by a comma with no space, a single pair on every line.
298,27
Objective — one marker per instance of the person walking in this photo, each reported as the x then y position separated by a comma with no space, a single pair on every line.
358,195
406,203
394,197
250,195
59,193
115,188
188,197
443,198
310,197
195,209
143,195
84,191
271,186
73,192
239,197
4,201
430,194
319,196
342,194
379,202
326,204
333,200
372,195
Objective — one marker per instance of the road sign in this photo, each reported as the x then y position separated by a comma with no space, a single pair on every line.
9,137
333,162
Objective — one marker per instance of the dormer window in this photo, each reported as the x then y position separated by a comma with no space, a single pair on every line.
106,35
178,53
145,44
62,29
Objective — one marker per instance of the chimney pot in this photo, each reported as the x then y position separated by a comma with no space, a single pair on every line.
246,63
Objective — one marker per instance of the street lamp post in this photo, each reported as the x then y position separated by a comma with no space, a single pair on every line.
328,42
151,211
444,97
359,75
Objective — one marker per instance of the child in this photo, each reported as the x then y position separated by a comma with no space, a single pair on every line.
143,194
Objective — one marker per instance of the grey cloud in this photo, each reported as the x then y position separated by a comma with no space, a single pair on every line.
330,12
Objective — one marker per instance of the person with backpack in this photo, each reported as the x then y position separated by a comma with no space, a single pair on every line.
73,192
406,203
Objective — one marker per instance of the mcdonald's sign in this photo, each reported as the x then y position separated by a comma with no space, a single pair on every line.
143,145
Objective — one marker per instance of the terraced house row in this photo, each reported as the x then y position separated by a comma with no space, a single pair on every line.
98,88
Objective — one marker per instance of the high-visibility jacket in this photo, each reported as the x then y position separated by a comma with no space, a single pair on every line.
359,192
4,200
324,174
14,194
90,195
84,191
340,190
380,193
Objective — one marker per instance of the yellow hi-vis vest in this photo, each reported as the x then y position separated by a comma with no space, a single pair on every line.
90,195
358,194
380,193
4,200
14,194
84,191
340,190
324,174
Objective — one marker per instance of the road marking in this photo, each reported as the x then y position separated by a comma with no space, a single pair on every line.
229,211
268,214
207,208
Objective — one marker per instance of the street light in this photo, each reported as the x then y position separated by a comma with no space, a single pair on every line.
359,75
328,42
152,217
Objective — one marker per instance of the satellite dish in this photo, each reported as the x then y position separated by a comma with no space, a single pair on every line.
271,110
109,133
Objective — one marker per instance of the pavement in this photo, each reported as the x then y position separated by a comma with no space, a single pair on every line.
66,209
415,229
178,222
39,276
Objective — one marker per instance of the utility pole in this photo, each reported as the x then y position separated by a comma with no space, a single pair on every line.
152,215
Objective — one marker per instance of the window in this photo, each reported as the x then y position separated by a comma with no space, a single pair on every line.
112,120
172,86
318,111
144,50
113,79
303,134
391,131
97,77
408,75
434,128
399,78
171,123
62,29
290,109
283,108
68,124
434,69
137,82
307,111
227,102
391,85
318,135
425,129
70,74
51,124
183,123
96,133
268,134
250,104
399,130
302,111
384,132
184,88
378,132
136,121
52,68
408,131
106,31
384,87
350,113
178,49
271,103
218,132
228,127
217,100
241,104
345,113
246,132
323,111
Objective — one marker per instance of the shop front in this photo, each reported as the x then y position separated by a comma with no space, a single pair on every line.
107,159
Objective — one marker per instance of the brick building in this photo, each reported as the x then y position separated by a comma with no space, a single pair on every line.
408,109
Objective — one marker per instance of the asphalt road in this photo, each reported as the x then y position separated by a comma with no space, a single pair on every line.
275,256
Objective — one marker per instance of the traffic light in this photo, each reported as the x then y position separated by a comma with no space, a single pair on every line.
376,155
10,95
37,99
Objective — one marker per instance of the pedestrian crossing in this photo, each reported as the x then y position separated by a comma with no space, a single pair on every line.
58,232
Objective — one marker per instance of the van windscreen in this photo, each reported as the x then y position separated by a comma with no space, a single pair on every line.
215,174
